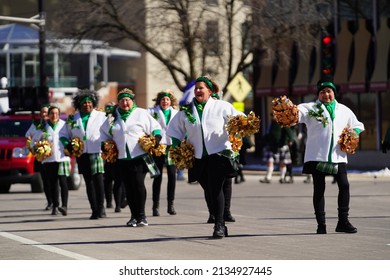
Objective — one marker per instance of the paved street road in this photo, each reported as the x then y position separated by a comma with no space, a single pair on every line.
274,222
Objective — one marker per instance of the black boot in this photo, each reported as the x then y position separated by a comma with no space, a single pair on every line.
220,231
171,209
95,215
102,213
211,219
155,210
227,216
343,225
321,225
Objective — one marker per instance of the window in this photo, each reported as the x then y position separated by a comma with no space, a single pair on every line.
212,35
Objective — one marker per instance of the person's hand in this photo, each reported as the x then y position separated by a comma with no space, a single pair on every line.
68,149
384,147
158,139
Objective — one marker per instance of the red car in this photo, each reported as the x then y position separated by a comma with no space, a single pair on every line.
16,161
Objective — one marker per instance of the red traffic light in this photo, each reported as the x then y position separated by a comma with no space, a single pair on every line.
327,40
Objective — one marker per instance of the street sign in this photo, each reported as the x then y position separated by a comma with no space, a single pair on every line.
239,106
239,87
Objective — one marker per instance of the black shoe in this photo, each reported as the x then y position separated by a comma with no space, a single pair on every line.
94,215
220,231
123,203
171,210
228,217
118,209
321,229
102,213
132,222
63,210
345,226
142,222
54,211
211,219
155,212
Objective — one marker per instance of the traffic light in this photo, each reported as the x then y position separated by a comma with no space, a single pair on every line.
327,55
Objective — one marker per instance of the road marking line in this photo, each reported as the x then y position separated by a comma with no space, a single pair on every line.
48,248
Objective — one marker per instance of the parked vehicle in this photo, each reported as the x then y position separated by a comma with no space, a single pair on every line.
16,161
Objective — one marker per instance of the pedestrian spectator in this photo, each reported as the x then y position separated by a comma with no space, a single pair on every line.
246,144
113,184
277,151
56,165
202,123
386,141
326,120
36,125
180,175
128,125
163,111
84,125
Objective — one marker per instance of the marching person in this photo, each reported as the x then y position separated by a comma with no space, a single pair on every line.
128,125
36,125
325,120
163,111
202,123
113,183
85,125
57,165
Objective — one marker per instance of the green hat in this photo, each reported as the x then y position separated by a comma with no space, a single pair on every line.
323,83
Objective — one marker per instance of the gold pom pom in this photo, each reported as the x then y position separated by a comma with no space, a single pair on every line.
348,140
42,149
109,151
183,156
241,126
147,143
285,112
77,148
236,143
28,145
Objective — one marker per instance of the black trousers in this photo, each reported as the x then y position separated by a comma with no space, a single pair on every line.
113,183
46,186
171,174
51,170
133,173
319,188
93,183
211,173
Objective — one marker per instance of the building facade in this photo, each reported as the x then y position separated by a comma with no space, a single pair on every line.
361,73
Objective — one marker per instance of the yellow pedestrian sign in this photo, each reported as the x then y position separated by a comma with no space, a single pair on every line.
239,87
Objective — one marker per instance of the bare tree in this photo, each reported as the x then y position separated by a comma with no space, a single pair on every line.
192,37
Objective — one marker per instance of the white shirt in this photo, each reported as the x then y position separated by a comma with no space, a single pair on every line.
138,124
53,136
319,138
91,136
158,114
211,129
